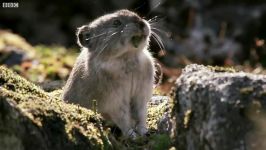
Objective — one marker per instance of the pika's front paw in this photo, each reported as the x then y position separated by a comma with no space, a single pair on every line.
131,134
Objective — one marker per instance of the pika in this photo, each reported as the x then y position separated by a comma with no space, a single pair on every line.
114,68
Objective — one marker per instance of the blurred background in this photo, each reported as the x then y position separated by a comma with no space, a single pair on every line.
38,41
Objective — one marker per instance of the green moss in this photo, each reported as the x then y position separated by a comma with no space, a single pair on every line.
17,84
46,112
160,142
48,63
222,69
64,122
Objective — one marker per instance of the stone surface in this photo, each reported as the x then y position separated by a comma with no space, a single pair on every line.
220,109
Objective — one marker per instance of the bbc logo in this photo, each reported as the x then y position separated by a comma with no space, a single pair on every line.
10,5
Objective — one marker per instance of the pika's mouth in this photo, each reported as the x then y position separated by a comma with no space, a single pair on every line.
136,40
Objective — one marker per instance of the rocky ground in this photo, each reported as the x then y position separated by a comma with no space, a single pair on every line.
214,108
34,119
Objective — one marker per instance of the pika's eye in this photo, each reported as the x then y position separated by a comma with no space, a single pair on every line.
117,23
87,36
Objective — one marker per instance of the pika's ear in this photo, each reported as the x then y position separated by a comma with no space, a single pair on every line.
83,36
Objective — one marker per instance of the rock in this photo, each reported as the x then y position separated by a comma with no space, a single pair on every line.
50,86
14,49
162,106
220,109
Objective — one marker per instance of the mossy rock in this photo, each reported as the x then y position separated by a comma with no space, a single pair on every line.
31,118
219,109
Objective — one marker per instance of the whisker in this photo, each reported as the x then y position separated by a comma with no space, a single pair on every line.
158,40
159,30
108,40
153,8
156,19
96,36
152,19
